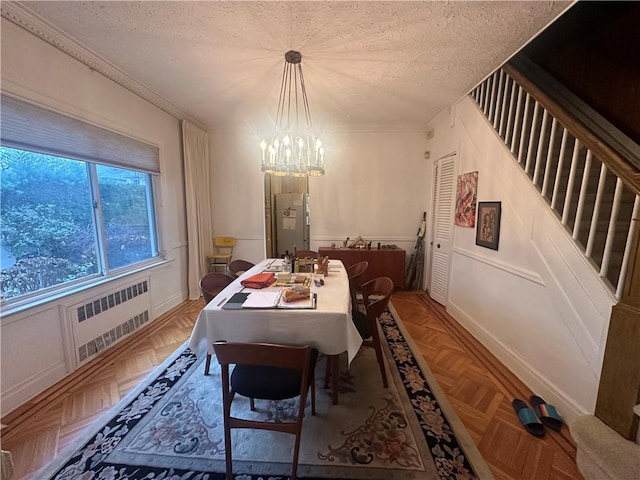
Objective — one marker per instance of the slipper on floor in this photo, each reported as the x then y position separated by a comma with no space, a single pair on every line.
547,414
528,419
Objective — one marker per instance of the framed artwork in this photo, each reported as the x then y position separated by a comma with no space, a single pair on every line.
488,229
467,188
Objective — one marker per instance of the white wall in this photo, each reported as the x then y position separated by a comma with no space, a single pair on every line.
374,186
33,345
535,303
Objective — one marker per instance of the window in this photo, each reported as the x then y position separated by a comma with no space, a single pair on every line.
127,217
69,210
55,217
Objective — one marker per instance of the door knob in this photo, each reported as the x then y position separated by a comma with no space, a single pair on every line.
438,245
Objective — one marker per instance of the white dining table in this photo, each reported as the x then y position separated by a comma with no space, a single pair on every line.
328,327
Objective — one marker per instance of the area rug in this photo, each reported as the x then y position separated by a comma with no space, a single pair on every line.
170,427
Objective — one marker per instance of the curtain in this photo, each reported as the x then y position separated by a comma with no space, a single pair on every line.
198,202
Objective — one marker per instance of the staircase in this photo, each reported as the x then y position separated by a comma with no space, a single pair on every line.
588,173
591,200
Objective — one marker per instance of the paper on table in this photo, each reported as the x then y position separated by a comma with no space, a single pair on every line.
262,300
274,266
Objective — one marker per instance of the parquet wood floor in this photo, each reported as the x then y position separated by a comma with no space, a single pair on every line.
479,388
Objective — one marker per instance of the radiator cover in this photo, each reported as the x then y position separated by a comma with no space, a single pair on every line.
102,321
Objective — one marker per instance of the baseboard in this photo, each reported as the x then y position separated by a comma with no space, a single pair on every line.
516,364
32,386
169,303
59,386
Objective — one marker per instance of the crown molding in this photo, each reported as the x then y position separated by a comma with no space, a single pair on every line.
30,21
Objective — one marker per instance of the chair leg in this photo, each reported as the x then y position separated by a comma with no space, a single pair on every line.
313,393
294,467
383,372
327,371
335,378
207,364
332,374
296,446
229,467
227,397
378,348
252,404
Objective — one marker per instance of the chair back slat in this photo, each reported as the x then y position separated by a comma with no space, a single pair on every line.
213,283
236,267
355,273
266,354
376,294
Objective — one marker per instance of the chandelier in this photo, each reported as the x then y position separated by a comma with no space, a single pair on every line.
294,150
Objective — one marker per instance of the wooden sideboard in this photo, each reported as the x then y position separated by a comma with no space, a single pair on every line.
385,262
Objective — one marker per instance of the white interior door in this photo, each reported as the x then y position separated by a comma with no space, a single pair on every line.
442,226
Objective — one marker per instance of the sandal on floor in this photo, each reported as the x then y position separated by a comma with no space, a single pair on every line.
547,414
528,419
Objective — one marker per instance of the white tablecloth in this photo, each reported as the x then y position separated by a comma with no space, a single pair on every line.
328,327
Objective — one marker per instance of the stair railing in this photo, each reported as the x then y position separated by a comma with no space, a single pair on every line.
584,168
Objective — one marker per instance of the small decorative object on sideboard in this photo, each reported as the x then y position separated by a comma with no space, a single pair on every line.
358,243
388,262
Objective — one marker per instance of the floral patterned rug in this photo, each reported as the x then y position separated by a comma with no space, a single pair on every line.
170,428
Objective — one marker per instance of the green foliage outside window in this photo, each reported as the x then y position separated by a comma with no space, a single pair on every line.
51,222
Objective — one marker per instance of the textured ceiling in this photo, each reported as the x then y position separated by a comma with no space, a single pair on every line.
392,64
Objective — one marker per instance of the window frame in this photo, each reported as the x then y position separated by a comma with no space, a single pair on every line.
104,274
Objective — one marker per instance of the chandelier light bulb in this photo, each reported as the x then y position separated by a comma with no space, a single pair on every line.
263,146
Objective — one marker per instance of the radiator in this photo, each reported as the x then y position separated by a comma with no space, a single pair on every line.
101,322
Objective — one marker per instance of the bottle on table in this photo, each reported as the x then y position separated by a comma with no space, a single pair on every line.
286,263
294,260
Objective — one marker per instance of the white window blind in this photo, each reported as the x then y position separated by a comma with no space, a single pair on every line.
34,128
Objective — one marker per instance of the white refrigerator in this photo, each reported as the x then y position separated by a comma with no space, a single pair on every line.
292,222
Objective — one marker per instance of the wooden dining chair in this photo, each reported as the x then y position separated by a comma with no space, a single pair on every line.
213,283
238,267
376,294
268,372
355,273
210,286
